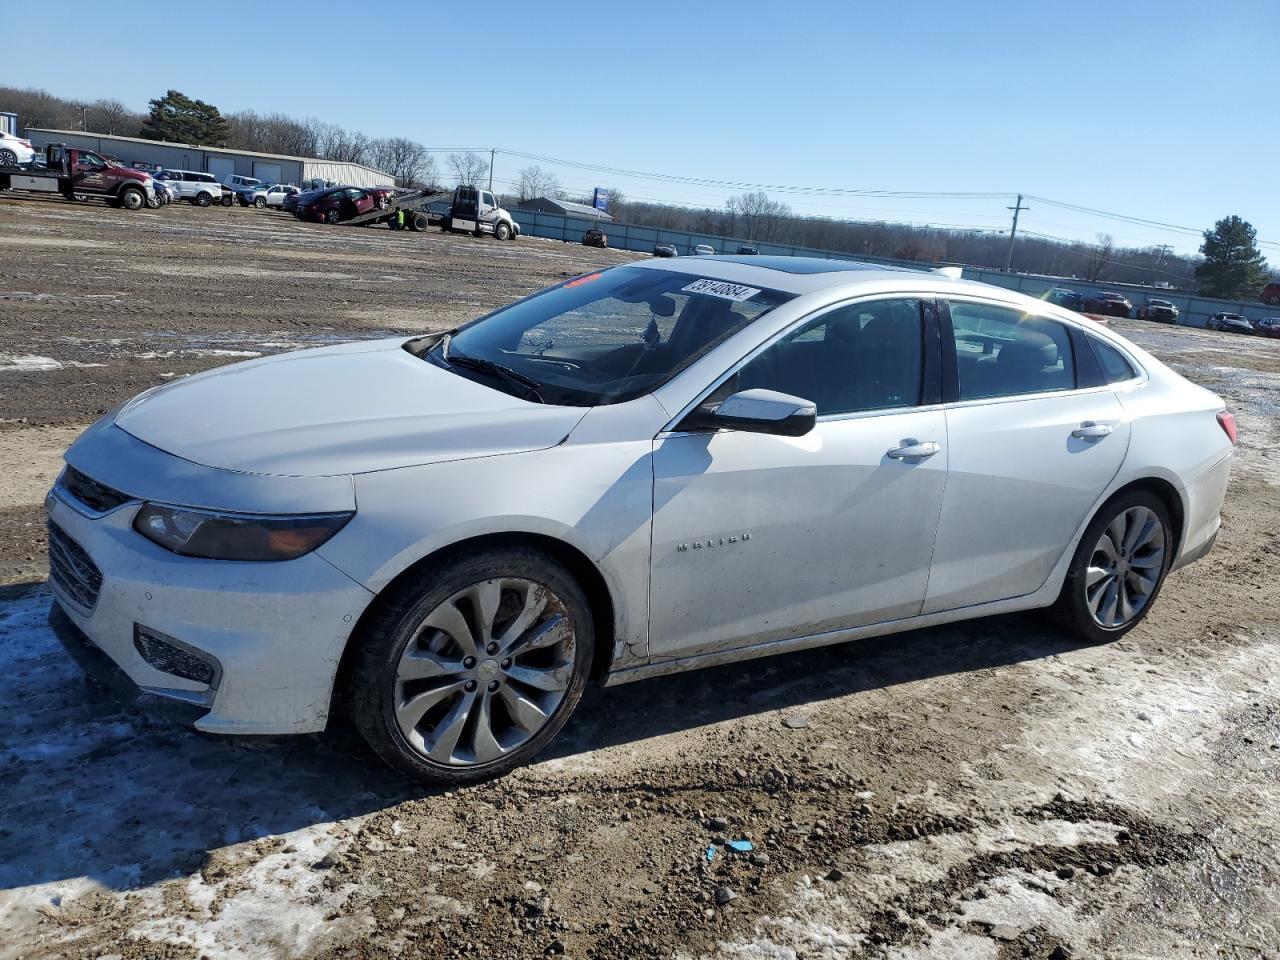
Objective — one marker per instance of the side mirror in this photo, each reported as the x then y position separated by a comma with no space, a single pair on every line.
756,411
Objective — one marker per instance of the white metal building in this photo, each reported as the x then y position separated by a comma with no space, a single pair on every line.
220,161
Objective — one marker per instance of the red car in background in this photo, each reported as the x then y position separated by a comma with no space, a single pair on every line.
342,203
1268,327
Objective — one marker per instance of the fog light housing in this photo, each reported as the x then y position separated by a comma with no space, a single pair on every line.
170,655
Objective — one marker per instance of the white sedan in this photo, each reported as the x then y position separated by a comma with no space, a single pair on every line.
652,468
14,150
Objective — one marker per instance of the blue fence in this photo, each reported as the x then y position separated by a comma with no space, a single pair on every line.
1193,310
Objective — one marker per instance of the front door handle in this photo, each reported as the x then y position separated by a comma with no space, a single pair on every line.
1091,431
913,449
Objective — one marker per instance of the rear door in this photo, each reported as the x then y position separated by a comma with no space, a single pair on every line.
759,538
1030,453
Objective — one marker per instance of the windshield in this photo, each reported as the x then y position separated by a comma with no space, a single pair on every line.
604,337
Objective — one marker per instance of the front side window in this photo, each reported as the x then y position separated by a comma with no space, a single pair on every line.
605,337
1002,352
865,356
88,159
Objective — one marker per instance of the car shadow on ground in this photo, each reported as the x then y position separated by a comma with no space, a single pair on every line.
91,789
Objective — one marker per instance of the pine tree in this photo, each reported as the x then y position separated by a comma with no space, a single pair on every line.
1233,268
177,118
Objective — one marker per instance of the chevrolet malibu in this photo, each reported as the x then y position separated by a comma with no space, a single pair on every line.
653,468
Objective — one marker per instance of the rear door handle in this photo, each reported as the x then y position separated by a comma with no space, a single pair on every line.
1091,431
913,449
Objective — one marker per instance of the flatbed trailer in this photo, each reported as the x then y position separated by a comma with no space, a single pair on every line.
414,206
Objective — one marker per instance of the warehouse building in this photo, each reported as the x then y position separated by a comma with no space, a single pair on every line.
220,161
564,208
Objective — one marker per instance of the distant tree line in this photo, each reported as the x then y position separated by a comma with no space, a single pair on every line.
1230,266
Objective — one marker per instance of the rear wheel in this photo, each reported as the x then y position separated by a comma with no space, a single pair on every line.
473,666
332,216
419,222
1118,568
153,202
8,158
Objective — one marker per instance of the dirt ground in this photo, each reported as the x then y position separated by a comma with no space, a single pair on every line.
987,790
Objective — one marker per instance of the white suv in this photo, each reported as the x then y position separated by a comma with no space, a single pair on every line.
202,189
15,150
274,195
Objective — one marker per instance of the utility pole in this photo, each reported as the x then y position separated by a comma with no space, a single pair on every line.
1164,252
1013,232
492,153
84,118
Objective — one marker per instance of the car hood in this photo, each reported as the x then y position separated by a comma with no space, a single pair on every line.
338,410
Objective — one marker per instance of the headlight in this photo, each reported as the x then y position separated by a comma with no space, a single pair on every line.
232,536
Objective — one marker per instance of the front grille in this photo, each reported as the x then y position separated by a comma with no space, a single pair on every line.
98,497
72,569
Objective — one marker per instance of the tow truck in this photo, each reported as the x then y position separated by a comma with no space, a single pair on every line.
467,212
77,174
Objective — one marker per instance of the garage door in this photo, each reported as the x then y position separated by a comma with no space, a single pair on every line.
266,172
222,167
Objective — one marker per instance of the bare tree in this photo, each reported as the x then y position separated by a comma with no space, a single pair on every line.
1098,258
468,168
113,117
756,214
534,182
404,159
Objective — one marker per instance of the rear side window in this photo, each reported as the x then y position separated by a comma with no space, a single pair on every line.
1002,352
1115,368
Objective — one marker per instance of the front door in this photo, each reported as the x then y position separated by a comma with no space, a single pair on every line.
1030,455
759,538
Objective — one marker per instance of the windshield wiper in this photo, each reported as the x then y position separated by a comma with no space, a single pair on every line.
483,364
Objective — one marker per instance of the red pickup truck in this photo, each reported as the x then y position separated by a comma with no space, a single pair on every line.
76,173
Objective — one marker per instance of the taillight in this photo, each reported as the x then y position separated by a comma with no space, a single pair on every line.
1228,424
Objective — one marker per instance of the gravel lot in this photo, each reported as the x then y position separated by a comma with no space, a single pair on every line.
988,790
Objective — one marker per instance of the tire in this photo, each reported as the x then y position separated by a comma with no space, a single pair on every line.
502,232
470,746
154,203
418,222
383,203
203,199
332,216
260,202
8,158
1133,511
228,199
131,198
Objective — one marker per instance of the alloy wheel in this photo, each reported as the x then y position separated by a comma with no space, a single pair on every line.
484,672
1125,567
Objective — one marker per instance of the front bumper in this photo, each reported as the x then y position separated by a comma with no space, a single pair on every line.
276,631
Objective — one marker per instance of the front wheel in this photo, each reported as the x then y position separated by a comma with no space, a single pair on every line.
203,199
502,231
1118,568
260,202
472,666
132,199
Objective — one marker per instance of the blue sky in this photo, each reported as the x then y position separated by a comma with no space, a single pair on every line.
1165,111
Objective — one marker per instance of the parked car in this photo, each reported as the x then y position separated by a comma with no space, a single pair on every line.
1229,322
445,537
1271,293
704,250
1066,297
243,188
595,237
1268,327
1109,304
1161,311
342,203
15,151
748,251
665,250
273,195
201,189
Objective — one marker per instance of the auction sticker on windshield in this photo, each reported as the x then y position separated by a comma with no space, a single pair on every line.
722,289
